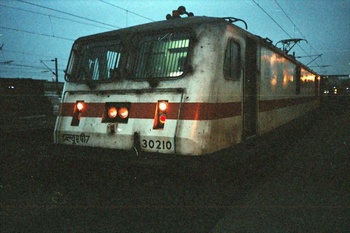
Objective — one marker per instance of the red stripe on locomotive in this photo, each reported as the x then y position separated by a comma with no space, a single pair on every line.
189,111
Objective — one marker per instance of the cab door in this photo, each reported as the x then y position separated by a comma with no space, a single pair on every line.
250,89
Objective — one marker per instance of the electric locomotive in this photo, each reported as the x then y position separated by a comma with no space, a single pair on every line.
185,86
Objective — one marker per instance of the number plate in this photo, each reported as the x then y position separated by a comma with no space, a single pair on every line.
158,145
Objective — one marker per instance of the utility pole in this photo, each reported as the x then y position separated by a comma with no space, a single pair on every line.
56,68
56,74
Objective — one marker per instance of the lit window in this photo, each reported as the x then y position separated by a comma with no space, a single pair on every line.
162,56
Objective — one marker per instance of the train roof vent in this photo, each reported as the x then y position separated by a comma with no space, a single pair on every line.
180,11
233,20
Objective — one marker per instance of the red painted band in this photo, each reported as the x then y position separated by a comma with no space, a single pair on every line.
189,111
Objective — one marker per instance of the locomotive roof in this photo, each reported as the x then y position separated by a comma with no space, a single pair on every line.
188,22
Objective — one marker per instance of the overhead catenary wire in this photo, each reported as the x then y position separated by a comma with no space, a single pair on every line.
28,73
25,68
272,18
57,17
94,23
126,10
40,34
295,26
279,24
97,23
44,34
285,13
36,33
66,13
32,54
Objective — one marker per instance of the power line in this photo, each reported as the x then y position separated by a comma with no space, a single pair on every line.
36,33
285,13
21,66
53,16
24,69
26,73
33,68
66,13
279,24
272,18
126,10
32,54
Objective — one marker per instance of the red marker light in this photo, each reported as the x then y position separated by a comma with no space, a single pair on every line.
162,119
160,114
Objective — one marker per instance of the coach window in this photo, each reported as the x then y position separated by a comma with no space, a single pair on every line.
232,62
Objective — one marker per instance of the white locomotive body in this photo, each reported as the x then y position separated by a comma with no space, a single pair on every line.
187,86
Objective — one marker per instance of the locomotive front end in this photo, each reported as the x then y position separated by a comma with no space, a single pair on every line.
120,119
158,87
125,89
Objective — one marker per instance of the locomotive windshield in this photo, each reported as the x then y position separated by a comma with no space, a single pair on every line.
161,55
94,61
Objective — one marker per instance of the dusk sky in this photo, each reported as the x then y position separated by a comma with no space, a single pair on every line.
33,32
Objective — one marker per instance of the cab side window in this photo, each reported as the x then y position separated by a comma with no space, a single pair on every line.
232,62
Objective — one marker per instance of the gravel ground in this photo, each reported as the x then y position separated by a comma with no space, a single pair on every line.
295,180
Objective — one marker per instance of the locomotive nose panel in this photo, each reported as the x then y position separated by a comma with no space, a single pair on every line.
112,120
